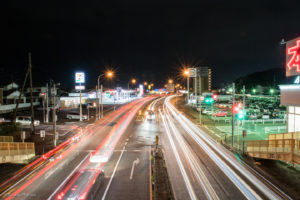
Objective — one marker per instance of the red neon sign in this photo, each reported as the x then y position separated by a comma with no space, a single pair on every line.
295,57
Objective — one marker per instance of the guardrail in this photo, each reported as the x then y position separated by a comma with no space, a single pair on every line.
16,152
263,121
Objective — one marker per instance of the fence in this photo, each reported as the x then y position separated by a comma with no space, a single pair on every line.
16,152
278,147
6,138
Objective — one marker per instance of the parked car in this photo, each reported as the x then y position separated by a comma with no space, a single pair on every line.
220,114
207,112
74,115
26,120
265,116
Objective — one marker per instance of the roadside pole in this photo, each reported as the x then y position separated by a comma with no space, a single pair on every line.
47,104
232,115
54,117
80,106
188,90
101,101
97,105
42,134
98,102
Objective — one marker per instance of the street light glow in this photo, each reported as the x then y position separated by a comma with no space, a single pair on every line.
110,74
170,81
133,81
186,72
145,83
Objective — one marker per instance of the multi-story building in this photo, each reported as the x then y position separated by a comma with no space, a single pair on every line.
202,83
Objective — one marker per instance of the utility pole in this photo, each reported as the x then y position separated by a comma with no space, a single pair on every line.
97,105
47,103
232,116
188,84
54,116
99,108
101,101
31,98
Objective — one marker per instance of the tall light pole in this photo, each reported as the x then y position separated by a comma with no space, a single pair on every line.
109,74
187,73
54,111
232,115
99,97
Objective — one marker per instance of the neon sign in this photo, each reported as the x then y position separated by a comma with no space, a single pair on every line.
293,57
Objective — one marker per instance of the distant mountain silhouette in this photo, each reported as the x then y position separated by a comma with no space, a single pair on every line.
268,78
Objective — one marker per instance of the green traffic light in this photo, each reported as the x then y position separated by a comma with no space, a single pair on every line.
241,115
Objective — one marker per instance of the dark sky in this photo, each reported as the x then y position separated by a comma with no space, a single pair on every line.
148,40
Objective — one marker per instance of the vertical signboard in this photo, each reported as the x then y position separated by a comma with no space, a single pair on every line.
79,77
293,57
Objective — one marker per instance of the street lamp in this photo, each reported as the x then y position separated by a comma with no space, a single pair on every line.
109,74
272,91
133,81
145,83
186,73
170,81
254,91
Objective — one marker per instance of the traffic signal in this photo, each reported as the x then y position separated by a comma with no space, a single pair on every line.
215,97
241,115
236,108
209,100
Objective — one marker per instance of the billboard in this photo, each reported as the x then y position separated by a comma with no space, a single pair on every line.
293,57
192,72
79,77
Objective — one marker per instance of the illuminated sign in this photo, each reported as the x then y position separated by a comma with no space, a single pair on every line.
79,77
293,57
297,80
192,72
79,87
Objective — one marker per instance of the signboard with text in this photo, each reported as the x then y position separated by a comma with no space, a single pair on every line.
79,77
293,57
192,72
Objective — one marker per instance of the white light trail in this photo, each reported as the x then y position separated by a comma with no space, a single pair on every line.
209,145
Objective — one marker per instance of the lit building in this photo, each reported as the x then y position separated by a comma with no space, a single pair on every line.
202,82
290,94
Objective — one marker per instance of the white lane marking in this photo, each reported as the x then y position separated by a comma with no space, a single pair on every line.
68,177
113,174
134,163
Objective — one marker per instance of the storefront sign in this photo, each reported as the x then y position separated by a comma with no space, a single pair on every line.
79,77
293,57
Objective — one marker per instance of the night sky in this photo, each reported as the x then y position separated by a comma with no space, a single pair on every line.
147,40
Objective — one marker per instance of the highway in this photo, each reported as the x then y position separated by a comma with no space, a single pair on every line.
70,170
111,158
201,168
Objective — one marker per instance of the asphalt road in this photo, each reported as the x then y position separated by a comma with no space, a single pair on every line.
56,177
120,144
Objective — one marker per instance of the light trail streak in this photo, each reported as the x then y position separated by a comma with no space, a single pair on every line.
209,191
200,137
108,144
179,162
